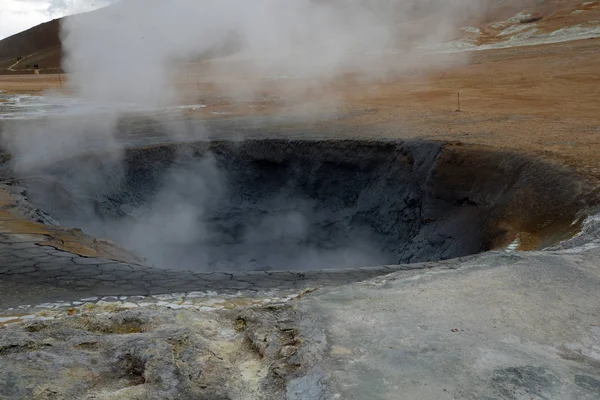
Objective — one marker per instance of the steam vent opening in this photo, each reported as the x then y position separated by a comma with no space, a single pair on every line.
297,205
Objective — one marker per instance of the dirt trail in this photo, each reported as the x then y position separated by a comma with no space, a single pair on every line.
11,68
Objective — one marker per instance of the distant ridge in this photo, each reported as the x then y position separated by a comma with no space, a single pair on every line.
38,45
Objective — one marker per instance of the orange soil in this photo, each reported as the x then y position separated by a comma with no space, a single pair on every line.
31,83
72,240
541,100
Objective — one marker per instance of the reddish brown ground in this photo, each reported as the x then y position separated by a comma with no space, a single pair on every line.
30,83
74,240
541,100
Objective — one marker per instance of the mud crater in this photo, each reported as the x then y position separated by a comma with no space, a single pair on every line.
300,204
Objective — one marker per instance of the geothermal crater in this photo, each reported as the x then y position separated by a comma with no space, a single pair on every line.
281,204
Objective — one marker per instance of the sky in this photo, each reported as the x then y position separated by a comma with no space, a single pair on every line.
19,15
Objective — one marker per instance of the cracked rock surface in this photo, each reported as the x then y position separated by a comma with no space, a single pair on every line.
500,325
148,353
524,329
32,274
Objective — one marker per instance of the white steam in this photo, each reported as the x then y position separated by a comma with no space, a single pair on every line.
134,51
126,52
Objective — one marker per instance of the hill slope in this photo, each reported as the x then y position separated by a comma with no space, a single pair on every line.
501,24
38,45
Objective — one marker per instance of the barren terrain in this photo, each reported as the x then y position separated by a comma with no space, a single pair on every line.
541,100
81,317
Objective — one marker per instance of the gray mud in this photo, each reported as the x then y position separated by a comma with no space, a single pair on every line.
297,205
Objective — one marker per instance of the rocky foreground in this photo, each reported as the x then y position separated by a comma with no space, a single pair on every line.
500,325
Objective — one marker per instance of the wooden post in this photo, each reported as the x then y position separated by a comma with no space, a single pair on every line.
458,100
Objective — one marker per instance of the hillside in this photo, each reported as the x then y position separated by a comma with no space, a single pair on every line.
38,45
508,21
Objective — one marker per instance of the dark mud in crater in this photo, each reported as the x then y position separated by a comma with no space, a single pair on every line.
276,204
